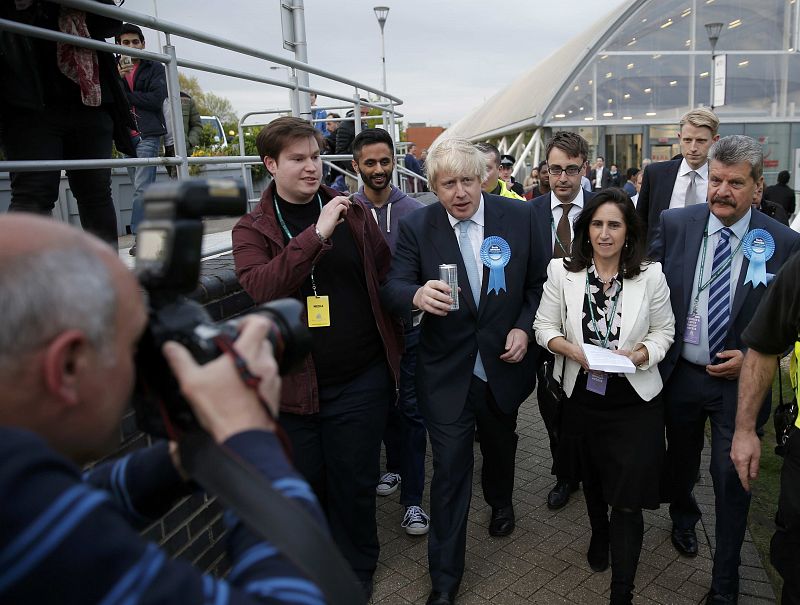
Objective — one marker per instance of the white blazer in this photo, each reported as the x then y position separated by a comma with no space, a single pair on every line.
647,319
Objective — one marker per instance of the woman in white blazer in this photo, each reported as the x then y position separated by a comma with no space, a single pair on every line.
612,426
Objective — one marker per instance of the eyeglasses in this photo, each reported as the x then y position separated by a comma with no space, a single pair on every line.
571,170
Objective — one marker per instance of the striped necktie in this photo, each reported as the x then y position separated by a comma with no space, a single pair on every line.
719,297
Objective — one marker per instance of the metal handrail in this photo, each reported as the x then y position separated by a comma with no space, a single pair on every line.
171,62
169,27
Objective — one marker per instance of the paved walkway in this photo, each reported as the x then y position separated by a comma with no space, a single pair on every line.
544,560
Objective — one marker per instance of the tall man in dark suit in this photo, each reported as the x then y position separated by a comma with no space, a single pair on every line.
553,216
713,257
473,366
681,182
599,176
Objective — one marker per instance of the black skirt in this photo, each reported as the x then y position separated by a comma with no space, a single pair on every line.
616,440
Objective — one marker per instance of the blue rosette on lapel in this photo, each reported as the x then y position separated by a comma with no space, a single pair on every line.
758,247
495,254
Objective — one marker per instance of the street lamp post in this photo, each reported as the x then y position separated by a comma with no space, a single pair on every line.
382,12
713,31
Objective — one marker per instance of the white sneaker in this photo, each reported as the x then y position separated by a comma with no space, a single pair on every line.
388,484
416,522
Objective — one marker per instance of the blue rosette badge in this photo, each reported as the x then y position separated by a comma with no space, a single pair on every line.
495,254
758,247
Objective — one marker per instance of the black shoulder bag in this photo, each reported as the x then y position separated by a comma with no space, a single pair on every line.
784,417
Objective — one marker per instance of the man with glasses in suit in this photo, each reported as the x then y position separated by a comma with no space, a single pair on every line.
554,215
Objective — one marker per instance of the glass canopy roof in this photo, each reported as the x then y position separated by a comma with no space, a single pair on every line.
657,65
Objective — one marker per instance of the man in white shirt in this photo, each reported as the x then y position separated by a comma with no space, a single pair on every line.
599,176
684,182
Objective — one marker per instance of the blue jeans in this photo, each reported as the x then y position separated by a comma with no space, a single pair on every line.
405,436
142,176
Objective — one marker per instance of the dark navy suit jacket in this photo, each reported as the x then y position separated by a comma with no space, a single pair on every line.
448,345
676,246
658,182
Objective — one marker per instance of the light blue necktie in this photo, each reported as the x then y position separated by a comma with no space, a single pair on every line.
471,265
719,297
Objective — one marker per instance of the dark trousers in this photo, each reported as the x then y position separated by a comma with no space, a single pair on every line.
405,437
451,486
71,132
692,396
338,452
548,406
785,547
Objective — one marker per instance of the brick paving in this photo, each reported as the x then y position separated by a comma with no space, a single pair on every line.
544,560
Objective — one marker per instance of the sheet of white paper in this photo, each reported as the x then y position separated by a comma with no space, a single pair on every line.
607,361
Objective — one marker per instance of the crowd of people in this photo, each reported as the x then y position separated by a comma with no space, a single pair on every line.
668,283
624,299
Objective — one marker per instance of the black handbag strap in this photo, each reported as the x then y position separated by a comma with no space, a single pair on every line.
271,515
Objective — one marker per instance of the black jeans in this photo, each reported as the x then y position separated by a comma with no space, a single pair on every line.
71,132
338,452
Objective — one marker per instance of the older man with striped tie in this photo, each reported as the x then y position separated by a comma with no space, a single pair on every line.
718,259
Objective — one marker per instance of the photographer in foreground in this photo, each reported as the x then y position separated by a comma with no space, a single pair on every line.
70,318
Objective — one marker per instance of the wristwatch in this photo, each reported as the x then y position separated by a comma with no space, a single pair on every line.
322,239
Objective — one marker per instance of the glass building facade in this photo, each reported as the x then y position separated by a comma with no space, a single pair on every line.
653,62
658,65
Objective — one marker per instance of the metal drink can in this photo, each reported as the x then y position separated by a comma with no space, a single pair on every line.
449,275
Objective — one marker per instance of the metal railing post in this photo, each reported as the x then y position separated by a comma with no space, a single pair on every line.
247,175
174,91
396,176
301,55
357,125
294,94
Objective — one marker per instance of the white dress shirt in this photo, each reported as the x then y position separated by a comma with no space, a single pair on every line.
556,211
474,232
698,353
598,177
678,199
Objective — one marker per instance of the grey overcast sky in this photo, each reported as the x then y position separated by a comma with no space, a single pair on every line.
443,57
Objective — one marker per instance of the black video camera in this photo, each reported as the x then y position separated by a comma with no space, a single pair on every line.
168,243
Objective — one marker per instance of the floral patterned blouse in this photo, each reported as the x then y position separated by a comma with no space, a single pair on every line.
603,305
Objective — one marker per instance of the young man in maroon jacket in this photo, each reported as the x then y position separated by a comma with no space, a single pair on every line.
306,241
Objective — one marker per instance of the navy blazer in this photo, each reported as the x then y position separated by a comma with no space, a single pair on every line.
677,245
658,182
448,345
